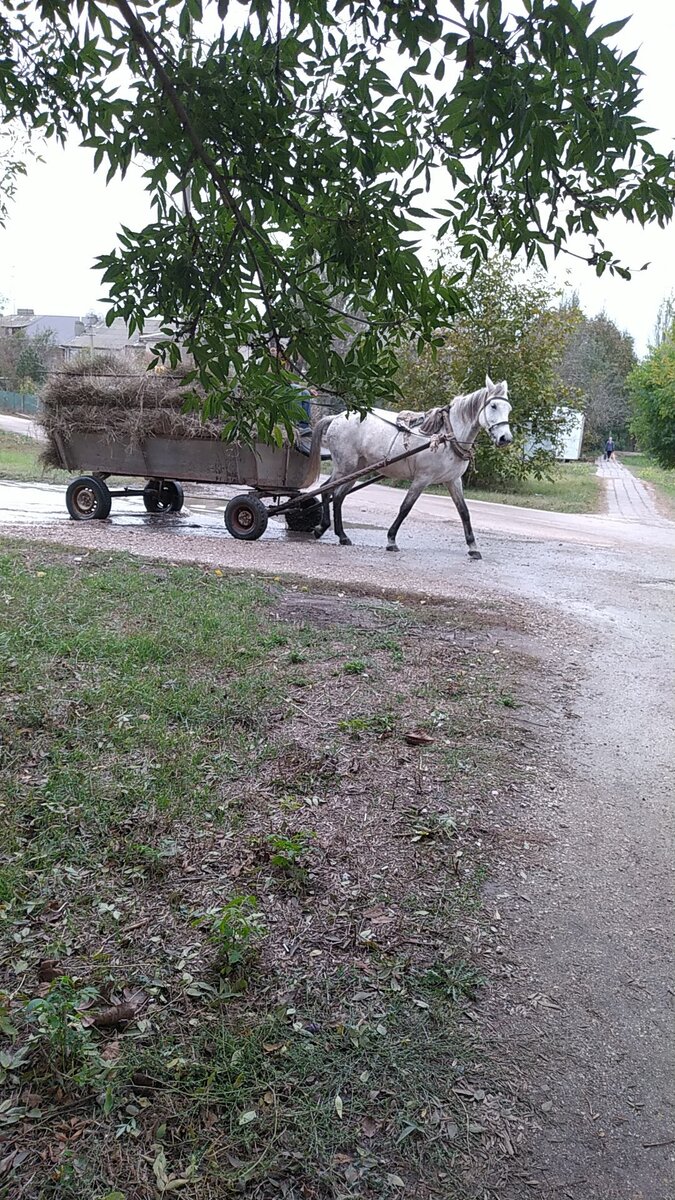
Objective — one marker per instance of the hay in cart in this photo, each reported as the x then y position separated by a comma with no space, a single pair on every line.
105,396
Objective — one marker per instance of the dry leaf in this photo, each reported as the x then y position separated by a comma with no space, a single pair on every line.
48,970
369,1127
417,737
339,1106
160,1172
117,1014
247,1117
395,1180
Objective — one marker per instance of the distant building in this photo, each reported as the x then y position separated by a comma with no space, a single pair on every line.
112,339
27,323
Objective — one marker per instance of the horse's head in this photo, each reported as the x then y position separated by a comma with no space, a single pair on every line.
495,413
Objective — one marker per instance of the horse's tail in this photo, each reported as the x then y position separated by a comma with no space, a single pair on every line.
314,460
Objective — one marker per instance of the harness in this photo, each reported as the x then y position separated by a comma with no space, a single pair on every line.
445,434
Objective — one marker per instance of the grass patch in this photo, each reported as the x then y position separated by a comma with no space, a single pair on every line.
20,460
662,480
241,929
575,488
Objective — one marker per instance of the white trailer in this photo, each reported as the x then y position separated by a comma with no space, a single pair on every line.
567,445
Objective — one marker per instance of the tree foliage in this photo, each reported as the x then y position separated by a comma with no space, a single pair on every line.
652,389
514,328
597,362
664,327
287,149
26,361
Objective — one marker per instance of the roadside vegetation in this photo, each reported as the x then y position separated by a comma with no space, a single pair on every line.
661,478
574,488
20,460
246,830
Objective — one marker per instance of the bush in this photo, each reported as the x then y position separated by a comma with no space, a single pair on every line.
652,390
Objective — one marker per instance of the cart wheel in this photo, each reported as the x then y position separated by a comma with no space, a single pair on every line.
163,496
246,518
88,499
305,517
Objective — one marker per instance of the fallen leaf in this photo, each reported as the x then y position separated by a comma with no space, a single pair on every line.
369,1127
417,737
395,1180
117,1014
12,1160
339,1106
159,1170
49,969
247,1117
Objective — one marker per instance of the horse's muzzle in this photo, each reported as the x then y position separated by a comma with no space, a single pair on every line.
505,439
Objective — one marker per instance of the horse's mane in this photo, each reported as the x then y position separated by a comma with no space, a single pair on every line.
437,419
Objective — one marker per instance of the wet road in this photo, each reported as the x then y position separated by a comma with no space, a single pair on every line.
367,516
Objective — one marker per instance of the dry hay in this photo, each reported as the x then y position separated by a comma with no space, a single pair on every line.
107,396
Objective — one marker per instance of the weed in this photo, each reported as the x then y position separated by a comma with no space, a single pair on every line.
380,723
355,666
57,1030
285,854
420,825
235,930
454,981
508,700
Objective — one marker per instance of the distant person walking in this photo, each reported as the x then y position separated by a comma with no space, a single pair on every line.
609,449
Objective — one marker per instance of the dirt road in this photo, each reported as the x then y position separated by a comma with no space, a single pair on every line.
584,1001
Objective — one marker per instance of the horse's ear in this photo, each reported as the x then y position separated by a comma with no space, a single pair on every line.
488,383
505,387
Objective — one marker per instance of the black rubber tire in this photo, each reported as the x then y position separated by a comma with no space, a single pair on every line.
163,496
88,499
304,518
246,517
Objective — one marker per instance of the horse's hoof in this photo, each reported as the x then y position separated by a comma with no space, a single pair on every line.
475,554
345,541
318,532
392,546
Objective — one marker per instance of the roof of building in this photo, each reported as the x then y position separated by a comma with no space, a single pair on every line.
114,337
61,325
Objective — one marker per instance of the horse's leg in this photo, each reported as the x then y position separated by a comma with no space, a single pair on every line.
324,523
457,492
412,495
338,501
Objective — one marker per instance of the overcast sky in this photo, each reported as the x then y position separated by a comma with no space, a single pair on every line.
64,215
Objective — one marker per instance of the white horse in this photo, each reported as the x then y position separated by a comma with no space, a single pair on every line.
356,443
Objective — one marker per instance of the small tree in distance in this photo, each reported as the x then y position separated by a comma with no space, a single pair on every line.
513,327
596,363
652,390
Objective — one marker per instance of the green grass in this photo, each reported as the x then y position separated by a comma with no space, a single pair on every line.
662,480
20,460
158,770
575,488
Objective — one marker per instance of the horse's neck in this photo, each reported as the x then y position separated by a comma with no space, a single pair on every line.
465,416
